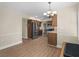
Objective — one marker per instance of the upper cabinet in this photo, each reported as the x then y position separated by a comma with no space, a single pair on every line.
54,21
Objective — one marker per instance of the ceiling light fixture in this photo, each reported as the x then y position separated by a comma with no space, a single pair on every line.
50,13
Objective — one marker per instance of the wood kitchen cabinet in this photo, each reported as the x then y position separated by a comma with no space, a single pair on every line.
54,21
33,27
52,35
52,38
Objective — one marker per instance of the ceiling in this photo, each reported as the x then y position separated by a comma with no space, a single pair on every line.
37,8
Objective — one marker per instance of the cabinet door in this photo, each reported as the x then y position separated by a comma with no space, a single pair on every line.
54,21
52,38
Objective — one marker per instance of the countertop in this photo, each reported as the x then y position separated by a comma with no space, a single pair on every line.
54,31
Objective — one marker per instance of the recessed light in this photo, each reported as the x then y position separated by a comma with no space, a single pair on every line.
45,14
36,16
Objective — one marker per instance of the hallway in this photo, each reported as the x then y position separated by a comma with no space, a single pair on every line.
31,48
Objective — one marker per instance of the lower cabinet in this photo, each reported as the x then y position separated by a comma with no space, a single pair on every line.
52,39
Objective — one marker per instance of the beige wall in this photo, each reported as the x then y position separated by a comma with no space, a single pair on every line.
67,25
10,27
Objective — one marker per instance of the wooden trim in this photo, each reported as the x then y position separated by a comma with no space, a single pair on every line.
62,50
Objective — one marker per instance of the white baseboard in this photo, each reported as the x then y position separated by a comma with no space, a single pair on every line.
59,46
4,47
25,37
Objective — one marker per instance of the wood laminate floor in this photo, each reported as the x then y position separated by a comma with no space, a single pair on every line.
31,48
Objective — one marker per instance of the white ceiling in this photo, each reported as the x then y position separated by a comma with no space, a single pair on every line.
37,8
